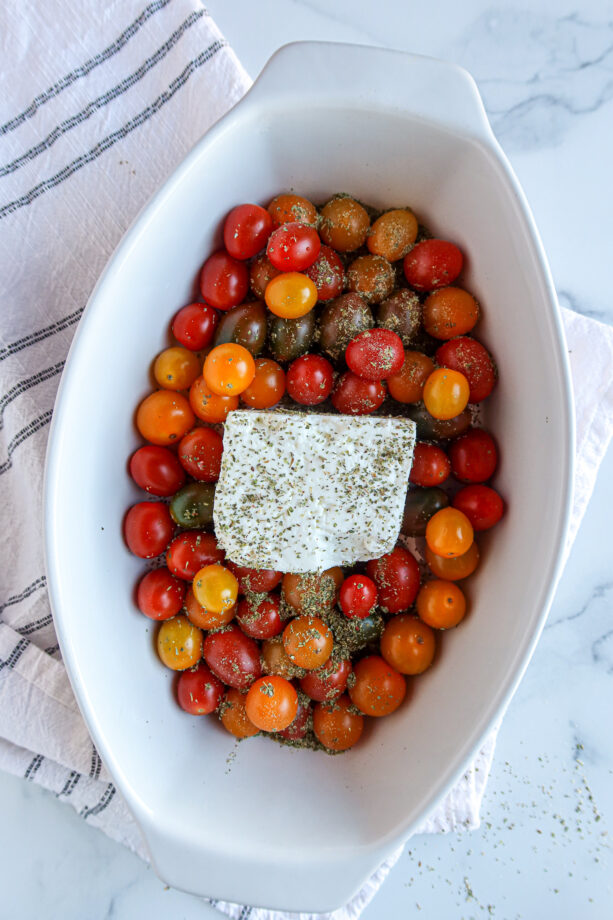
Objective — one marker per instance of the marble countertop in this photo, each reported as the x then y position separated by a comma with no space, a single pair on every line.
546,75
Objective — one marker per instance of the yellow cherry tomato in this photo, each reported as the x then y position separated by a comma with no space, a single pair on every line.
446,393
215,588
179,643
449,533
290,295
228,369
176,368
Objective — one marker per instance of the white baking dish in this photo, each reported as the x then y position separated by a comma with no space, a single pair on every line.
273,826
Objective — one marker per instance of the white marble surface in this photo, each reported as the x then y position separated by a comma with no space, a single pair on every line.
546,75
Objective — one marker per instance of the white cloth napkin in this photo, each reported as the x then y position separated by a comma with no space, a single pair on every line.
110,98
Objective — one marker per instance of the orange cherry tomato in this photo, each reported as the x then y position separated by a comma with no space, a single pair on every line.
164,417
378,689
208,406
287,208
215,588
449,312
308,642
179,643
441,604
272,703
446,393
449,533
228,369
290,295
234,716
408,644
336,725
206,619
176,368
455,567
407,386
267,387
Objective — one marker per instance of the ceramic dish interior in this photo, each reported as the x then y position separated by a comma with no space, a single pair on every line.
263,824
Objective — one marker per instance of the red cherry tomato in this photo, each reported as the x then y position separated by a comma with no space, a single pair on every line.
191,551
358,596
298,728
375,354
482,506
474,456
260,620
432,264
156,470
200,454
309,379
254,581
431,466
199,692
224,281
148,529
233,657
327,274
396,576
293,247
353,395
327,682
194,326
470,358
246,230
160,595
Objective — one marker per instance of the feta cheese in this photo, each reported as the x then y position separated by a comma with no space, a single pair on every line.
301,492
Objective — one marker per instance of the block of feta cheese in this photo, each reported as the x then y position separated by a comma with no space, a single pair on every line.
301,492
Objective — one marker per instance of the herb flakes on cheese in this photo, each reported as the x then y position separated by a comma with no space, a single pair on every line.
301,492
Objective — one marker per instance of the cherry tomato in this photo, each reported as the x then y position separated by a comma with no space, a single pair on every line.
160,595
353,395
453,568
291,295
275,660
378,689
156,470
254,581
358,596
450,312
327,682
327,274
208,406
431,465
194,326
215,588
293,247
446,393
375,354
272,703
260,619
267,387
393,234
190,552
449,533
482,506
297,730
233,657
441,604
179,643
192,506
206,619
199,692
474,361
200,454
309,592
344,224
260,273
228,369
148,529
246,229
474,456
408,644
396,576
234,716
336,725
287,208
373,277
432,264
310,379
164,417
308,642
176,368
223,281
407,386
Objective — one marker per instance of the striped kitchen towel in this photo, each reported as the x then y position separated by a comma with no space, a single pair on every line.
101,100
